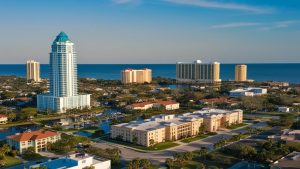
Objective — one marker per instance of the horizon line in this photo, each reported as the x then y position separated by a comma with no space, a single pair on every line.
158,63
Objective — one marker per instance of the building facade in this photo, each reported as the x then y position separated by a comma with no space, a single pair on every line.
240,73
63,79
166,104
250,91
33,71
136,76
3,119
198,72
36,139
75,161
163,128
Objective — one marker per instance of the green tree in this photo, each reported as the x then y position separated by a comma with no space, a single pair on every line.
5,149
145,163
40,167
296,125
89,167
27,113
201,166
151,142
30,154
170,163
202,129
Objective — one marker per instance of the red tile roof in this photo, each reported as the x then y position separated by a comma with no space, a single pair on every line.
161,102
3,116
35,135
140,104
213,100
23,99
167,102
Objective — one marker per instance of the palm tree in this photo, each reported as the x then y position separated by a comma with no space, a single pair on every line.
5,149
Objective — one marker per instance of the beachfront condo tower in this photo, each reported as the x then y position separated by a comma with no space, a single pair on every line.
33,71
136,76
63,93
240,73
198,72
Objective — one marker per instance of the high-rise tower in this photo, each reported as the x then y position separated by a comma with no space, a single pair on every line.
63,79
33,71
63,67
198,72
240,73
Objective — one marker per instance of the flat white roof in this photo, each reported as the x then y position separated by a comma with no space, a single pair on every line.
161,121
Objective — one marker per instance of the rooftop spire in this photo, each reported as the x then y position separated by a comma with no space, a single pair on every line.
61,37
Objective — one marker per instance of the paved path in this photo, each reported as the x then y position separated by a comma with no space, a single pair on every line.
158,157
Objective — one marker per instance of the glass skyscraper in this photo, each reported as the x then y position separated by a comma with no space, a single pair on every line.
63,79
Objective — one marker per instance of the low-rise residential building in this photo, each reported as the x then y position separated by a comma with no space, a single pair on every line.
166,104
284,109
250,91
140,106
291,161
278,84
287,135
212,101
3,119
36,139
163,128
75,161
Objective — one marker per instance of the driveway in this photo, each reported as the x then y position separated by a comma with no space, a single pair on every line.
159,157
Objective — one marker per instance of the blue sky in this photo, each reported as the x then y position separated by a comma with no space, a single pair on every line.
153,31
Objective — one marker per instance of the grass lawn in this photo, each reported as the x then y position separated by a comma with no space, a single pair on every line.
219,160
92,131
234,126
10,161
271,113
191,139
15,124
159,146
88,129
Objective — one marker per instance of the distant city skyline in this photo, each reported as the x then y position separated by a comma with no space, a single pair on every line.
153,31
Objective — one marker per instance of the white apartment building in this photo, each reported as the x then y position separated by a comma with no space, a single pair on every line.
75,161
251,91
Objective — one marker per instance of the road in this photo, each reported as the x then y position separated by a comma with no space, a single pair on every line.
159,157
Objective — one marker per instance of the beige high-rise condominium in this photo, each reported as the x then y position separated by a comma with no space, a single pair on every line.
198,72
33,71
136,76
240,73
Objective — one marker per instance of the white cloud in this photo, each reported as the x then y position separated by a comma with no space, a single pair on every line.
279,25
259,25
235,25
208,4
221,5
123,1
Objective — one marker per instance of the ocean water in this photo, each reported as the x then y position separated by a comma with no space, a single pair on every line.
258,72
